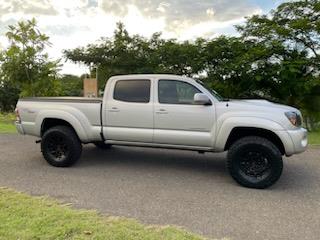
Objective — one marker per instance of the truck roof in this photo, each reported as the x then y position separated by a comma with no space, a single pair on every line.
150,76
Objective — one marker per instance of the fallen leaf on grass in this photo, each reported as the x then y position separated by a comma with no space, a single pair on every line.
87,232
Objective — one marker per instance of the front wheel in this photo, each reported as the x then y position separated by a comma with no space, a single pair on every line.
254,162
61,146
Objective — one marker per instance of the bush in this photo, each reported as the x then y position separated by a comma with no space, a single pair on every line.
9,96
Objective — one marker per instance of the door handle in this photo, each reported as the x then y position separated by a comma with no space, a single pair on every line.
114,109
162,111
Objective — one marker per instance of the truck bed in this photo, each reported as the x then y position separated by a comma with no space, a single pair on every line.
84,111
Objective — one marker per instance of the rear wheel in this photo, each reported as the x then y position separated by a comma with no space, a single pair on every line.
61,146
254,162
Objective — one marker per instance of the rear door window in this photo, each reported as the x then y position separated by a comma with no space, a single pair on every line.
132,91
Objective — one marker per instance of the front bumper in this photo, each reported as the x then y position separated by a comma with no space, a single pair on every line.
299,139
19,127
294,141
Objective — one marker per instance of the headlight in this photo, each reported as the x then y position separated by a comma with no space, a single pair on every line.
294,118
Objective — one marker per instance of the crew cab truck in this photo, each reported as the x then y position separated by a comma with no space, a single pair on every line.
168,111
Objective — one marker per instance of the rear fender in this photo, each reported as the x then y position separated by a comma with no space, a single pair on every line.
78,122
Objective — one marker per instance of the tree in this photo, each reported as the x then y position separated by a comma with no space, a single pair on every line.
71,85
9,95
295,23
121,55
293,27
25,64
229,68
125,54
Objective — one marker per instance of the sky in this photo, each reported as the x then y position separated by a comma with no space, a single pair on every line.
74,23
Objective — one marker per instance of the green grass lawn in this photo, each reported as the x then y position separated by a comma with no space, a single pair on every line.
7,117
7,128
6,123
314,138
25,217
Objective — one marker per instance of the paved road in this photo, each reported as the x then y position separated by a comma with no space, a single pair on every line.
173,187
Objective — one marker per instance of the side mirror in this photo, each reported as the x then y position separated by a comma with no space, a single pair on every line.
201,99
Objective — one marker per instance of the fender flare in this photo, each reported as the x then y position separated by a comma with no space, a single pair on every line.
229,124
65,116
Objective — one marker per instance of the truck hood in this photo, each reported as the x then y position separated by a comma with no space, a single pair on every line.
255,105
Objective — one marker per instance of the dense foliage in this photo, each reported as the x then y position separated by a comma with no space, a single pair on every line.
9,95
25,64
26,69
71,85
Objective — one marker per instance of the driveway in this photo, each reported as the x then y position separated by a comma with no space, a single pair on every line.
183,188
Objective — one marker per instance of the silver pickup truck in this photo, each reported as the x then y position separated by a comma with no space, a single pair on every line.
168,111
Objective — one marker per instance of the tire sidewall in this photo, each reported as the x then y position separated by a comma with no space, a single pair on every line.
74,146
258,145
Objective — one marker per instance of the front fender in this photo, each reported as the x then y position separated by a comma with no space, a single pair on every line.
225,127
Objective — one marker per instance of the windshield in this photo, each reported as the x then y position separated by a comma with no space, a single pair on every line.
213,92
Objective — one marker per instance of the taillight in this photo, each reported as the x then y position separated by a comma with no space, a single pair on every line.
18,119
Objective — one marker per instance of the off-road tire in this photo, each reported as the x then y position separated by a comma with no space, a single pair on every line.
238,159
70,149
